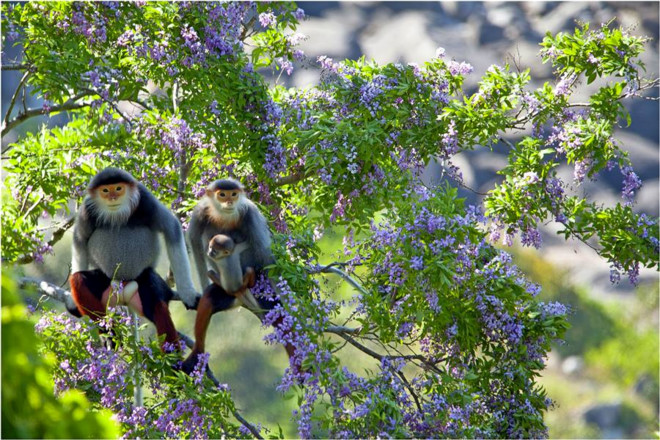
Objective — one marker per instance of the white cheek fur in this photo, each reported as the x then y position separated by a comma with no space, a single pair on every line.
114,217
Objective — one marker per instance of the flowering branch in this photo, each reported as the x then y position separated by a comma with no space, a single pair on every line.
64,296
57,236
189,343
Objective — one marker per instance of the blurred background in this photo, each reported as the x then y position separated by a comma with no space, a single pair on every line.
604,379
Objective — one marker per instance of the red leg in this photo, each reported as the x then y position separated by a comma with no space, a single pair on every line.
202,320
249,278
164,324
87,303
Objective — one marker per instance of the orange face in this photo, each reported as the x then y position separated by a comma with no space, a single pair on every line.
227,198
113,195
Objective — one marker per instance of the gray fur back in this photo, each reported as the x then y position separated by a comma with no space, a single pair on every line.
135,248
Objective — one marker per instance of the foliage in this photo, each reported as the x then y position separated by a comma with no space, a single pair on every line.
29,408
110,366
457,330
591,323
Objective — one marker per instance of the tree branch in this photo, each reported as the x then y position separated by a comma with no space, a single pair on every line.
410,390
71,104
20,66
288,180
343,334
357,345
330,268
341,329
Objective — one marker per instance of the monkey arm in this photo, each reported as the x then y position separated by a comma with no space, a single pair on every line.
81,232
215,277
256,229
176,252
195,230
244,295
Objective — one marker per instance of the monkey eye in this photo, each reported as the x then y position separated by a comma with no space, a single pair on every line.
105,190
119,188
233,194
222,194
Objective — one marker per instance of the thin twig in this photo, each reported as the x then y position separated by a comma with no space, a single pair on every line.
346,277
33,207
410,390
357,345
471,189
19,87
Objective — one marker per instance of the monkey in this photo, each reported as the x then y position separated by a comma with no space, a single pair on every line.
226,254
225,209
116,237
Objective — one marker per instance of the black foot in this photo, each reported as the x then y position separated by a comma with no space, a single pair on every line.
188,365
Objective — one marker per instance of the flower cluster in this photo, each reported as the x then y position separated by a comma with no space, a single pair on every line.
111,371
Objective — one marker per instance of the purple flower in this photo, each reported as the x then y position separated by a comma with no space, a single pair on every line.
298,55
531,237
564,84
463,68
299,14
285,65
631,183
327,63
581,169
267,19
552,309
417,263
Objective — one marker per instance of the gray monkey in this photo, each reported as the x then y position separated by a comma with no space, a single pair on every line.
116,237
226,254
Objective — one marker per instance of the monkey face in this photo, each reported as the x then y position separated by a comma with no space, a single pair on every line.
113,196
220,246
218,254
228,198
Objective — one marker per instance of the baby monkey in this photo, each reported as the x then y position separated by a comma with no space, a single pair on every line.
227,255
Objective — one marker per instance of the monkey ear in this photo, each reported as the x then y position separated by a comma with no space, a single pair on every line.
210,192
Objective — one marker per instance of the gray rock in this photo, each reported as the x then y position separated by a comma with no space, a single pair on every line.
572,365
603,415
464,10
398,37
648,197
538,8
489,33
562,17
